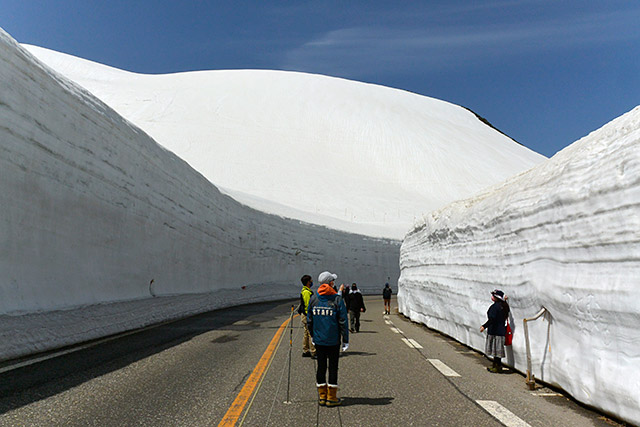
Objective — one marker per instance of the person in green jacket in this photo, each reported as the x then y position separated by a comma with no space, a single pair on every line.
308,349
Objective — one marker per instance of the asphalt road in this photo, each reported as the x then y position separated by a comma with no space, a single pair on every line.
189,373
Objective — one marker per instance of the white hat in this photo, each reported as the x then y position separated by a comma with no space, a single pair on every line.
326,277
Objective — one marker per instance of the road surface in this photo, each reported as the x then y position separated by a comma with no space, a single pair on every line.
231,367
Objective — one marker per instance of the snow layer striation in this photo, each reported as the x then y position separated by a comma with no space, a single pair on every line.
565,236
92,210
353,156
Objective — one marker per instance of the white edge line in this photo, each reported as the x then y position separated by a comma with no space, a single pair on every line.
82,346
407,342
502,414
415,343
444,369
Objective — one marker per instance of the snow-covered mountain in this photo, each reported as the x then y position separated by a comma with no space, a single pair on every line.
92,210
565,236
348,155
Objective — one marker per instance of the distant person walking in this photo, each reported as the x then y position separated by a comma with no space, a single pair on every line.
345,292
496,329
356,306
327,322
308,349
386,296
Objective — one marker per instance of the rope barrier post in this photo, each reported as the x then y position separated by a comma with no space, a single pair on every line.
288,401
531,380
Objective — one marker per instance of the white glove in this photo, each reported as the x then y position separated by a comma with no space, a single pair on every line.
312,343
345,346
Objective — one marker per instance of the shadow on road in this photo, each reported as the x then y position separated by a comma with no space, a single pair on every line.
22,386
372,401
357,353
225,338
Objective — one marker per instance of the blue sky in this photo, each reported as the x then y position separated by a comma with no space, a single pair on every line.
544,72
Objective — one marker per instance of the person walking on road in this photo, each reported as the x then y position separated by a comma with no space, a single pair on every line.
496,329
386,296
346,292
356,306
308,349
327,322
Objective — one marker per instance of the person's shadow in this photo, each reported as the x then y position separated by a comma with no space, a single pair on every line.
372,401
356,353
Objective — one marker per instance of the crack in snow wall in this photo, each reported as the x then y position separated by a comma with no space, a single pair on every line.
564,235
92,209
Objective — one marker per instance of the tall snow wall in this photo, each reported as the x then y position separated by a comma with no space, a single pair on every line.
92,209
564,235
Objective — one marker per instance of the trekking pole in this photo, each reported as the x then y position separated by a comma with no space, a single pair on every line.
290,348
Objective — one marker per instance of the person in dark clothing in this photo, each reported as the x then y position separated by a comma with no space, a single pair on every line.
308,349
327,322
356,306
345,292
496,330
386,296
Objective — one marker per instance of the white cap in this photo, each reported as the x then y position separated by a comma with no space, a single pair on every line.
326,277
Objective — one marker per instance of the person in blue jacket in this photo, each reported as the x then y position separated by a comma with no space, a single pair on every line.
327,323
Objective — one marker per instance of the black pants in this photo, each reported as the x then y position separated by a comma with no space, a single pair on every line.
324,353
355,320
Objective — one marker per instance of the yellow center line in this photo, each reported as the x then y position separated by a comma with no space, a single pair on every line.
236,408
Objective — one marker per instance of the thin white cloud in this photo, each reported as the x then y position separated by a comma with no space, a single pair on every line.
349,51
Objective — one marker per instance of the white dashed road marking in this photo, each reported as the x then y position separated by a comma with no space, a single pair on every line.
406,341
502,414
444,369
414,343
495,409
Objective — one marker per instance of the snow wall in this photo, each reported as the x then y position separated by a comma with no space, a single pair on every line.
564,235
92,209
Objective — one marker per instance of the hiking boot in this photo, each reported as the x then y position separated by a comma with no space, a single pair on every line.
496,367
322,394
332,398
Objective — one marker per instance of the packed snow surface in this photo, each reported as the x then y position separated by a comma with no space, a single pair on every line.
94,211
353,156
565,236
